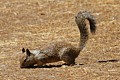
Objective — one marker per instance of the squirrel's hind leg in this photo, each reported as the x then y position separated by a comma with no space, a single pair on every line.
67,55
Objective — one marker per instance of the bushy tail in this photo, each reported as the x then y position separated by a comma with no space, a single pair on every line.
80,20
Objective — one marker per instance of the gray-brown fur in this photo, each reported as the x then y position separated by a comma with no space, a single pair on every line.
60,51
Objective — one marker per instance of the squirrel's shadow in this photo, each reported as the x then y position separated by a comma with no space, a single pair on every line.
104,61
52,66
57,66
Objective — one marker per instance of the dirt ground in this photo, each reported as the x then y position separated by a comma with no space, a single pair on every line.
35,23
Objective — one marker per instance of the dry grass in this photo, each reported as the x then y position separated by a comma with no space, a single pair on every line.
35,23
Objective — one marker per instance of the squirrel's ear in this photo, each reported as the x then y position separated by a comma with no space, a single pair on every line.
23,50
28,52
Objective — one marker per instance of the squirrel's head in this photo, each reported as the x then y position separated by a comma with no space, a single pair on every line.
26,59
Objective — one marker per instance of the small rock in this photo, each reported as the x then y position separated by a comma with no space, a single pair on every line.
64,66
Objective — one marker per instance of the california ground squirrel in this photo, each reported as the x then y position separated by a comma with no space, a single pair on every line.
60,51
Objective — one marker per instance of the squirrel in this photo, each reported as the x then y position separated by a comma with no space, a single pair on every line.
60,51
